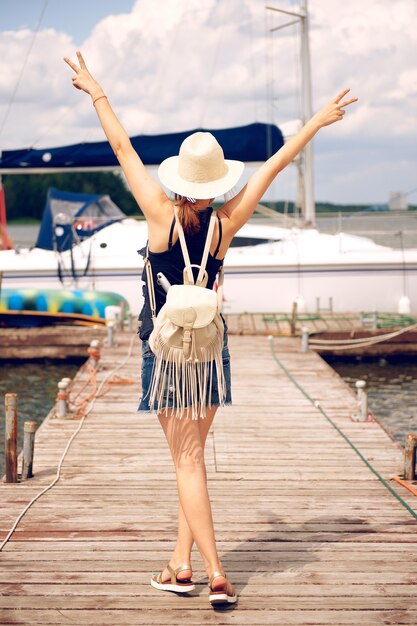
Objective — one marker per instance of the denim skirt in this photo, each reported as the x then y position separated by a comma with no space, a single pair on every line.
212,399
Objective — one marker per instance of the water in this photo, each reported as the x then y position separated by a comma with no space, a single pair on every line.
392,388
383,228
395,229
23,236
35,382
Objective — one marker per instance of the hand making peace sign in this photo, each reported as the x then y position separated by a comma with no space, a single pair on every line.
333,111
83,79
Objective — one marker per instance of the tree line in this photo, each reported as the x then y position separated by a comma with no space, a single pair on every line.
26,193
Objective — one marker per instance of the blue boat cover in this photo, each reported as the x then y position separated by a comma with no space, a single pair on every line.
69,218
253,143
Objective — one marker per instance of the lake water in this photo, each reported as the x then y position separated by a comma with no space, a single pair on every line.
396,229
35,382
392,388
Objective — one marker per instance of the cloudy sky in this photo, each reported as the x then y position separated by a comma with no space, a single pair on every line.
171,65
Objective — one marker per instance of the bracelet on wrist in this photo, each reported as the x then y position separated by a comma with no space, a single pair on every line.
99,98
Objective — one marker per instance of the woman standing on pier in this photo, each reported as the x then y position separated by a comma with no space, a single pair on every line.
186,437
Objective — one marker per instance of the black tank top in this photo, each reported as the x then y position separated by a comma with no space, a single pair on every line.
171,264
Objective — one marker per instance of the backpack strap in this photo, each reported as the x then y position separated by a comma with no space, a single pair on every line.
206,250
220,289
184,248
188,266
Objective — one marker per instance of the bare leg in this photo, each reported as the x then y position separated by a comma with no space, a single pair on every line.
185,539
186,439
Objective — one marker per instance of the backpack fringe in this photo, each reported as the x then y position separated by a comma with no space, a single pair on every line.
188,382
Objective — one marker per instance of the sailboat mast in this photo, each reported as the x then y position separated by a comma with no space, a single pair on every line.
305,165
307,106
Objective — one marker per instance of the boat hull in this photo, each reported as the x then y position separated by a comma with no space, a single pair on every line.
264,288
287,264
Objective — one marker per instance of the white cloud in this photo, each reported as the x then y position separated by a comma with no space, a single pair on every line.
176,64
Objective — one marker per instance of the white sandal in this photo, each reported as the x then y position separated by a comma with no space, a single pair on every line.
175,584
220,596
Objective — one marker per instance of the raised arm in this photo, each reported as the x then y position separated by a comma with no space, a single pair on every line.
150,197
239,209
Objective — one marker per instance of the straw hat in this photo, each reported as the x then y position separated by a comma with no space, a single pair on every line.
200,170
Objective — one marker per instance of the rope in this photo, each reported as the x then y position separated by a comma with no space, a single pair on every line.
405,484
78,408
19,78
341,433
346,344
253,65
86,413
205,98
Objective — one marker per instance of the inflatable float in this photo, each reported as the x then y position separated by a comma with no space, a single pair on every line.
44,307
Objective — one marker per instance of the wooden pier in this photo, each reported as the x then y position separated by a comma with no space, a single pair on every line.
61,341
53,342
381,333
307,532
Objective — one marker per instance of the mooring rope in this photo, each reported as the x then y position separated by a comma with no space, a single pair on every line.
22,69
347,344
341,433
71,439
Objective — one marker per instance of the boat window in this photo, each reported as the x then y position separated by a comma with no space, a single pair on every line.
238,242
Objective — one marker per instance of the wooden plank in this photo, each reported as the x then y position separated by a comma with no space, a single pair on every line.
264,564
256,589
48,342
244,552
133,602
175,612
278,580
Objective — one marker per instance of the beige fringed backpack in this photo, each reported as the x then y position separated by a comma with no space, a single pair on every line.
187,338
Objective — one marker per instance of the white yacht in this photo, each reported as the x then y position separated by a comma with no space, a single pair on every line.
87,243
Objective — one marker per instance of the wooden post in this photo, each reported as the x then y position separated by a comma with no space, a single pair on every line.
110,333
362,415
11,437
293,317
62,406
29,429
304,339
94,352
410,456
374,320
118,318
122,317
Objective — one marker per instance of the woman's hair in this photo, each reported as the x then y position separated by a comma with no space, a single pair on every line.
187,215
